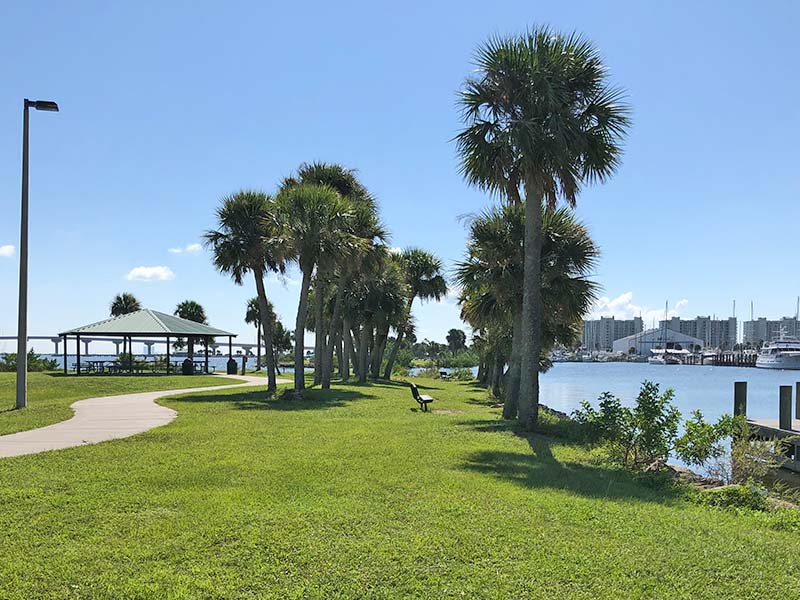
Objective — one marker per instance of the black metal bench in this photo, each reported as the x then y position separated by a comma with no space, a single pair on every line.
421,399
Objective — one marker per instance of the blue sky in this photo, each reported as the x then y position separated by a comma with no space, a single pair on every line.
167,107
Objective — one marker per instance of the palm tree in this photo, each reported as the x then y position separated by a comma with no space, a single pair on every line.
492,290
247,240
423,275
253,317
334,269
124,303
539,115
316,223
191,311
374,302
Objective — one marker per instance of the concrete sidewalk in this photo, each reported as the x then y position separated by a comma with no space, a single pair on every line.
101,419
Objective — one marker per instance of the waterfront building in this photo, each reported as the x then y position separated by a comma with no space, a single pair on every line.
643,342
715,333
762,330
600,334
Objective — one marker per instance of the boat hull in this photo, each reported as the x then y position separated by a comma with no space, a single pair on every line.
779,362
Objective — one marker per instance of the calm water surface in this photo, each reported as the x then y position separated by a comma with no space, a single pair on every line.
709,389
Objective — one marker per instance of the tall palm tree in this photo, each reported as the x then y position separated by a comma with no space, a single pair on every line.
246,241
316,224
191,311
123,304
540,115
253,317
492,290
425,280
345,181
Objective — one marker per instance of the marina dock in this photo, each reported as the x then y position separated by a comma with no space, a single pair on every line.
786,426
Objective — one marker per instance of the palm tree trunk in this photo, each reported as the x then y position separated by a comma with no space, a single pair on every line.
299,332
497,374
381,337
319,328
512,388
348,349
266,326
363,350
258,345
339,353
327,362
531,325
387,374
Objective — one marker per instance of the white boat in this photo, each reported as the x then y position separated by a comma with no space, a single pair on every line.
784,353
666,357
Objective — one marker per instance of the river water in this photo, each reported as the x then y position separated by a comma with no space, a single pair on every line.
707,388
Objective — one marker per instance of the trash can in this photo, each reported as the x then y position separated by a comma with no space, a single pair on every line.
232,367
187,368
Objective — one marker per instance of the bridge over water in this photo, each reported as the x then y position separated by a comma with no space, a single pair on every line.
149,344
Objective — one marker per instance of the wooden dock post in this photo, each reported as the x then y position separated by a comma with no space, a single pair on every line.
785,408
797,400
740,398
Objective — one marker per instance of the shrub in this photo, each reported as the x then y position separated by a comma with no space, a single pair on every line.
462,375
8,362
429,372
648,432
701,440
750,496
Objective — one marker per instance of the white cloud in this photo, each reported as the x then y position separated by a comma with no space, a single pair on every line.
190,249
397,250
7,251
624,307
158,273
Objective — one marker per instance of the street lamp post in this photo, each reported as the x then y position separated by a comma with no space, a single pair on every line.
22,324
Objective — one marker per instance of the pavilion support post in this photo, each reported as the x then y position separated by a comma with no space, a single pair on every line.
206,344
64,339
78,353
168,365
130,355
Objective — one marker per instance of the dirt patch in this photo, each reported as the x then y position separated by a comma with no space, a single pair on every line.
444,411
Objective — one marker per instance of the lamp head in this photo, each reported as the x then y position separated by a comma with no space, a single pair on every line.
47,105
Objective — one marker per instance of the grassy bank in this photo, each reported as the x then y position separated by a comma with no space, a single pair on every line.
50,394
353,494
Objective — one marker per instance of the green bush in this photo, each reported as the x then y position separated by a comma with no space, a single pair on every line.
750,496
8,363
462,375
429,372
637,437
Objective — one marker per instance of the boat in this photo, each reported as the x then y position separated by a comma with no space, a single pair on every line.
783,353
665,357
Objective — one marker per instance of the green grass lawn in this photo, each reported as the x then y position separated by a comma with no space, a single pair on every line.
352,494
50,394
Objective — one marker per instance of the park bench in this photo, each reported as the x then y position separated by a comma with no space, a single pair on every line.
421,399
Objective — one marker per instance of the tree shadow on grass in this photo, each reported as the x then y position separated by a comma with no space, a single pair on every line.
539,469
257,399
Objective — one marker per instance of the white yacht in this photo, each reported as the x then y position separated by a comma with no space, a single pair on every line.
665,357
784,353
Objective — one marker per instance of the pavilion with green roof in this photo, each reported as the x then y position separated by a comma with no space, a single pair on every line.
149,324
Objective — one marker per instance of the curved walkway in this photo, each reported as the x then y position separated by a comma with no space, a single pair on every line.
102,419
